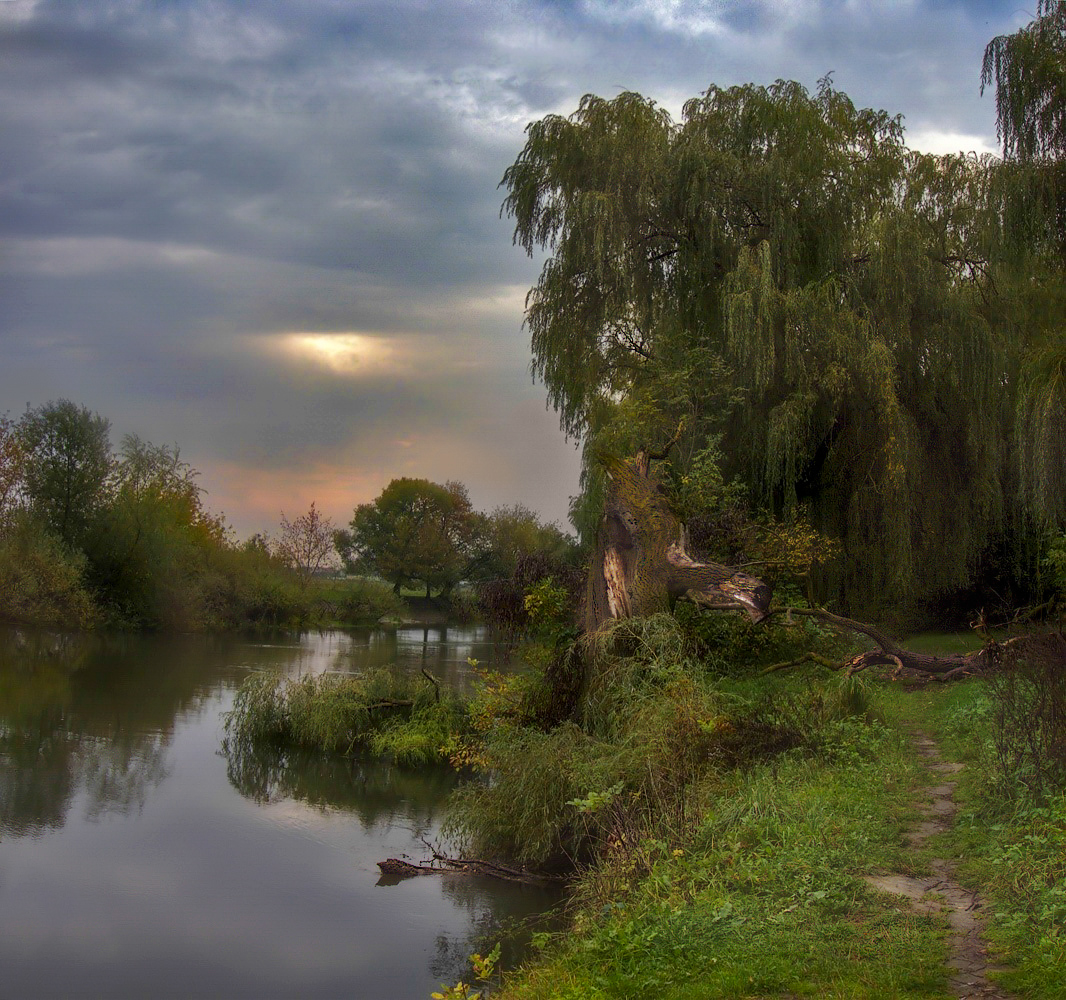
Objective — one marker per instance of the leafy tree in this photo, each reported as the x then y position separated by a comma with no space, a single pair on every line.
306,543
781,273
1028,69
149,543
12,471
415,531
512,532
68,461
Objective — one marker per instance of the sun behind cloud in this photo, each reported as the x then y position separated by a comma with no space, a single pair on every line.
345,353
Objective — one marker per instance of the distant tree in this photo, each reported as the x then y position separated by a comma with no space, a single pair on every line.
12,471
258,543
149,541
512,532
306,542
68,463
344,546
415,531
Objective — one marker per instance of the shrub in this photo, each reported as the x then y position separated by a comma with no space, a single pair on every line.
1028,717
358,601
247,586
626,763
649,729
732,646
504,602
42,580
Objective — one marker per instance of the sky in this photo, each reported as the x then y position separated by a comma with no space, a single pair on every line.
269,233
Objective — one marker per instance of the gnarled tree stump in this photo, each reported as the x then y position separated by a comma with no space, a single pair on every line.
640,565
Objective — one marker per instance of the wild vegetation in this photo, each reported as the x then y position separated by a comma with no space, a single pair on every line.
860,349
870,336
411,720
90,537
858,352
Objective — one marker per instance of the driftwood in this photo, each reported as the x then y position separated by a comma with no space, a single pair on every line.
1048,647
440,864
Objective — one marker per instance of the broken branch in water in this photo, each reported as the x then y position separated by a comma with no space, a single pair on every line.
443,865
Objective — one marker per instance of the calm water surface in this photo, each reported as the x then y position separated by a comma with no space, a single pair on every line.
136,860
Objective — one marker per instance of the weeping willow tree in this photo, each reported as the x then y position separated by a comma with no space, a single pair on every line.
781,272
1028,69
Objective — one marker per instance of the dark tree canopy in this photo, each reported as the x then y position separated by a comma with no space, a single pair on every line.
68,460
778,270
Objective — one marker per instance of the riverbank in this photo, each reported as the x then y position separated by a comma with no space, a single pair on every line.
771,893
727,829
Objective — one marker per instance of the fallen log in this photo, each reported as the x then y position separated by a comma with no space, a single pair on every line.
1046,646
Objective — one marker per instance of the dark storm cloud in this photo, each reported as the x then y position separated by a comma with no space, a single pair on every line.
184,184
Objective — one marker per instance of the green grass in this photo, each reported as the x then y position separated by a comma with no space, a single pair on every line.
387,713
1013,849
763,897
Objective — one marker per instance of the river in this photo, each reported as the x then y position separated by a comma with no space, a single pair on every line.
136,860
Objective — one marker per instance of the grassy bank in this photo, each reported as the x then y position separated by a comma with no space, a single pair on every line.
761,895
718,823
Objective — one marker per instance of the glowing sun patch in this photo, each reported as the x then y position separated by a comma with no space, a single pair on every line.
344,353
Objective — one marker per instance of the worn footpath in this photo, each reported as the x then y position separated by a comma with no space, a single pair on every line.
940,893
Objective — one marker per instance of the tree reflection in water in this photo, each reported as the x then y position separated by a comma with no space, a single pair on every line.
79,714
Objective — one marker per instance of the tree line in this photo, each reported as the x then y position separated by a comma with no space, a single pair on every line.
90,536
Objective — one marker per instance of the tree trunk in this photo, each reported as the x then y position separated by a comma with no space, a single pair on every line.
640,564
1049,647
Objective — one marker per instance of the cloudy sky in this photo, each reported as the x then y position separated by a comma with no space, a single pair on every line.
269,232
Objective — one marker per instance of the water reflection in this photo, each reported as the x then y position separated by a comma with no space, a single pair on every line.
95,714
371,790
56,741
445,650
137,860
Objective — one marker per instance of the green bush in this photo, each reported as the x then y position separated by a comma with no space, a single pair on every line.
1028,723
42,580
650,728
358,601
248,587
731,645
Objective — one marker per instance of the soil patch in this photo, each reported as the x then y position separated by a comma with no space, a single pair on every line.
940,893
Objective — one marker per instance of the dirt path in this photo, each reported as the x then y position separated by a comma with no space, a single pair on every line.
940,893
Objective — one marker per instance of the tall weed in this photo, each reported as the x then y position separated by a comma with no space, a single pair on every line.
382,711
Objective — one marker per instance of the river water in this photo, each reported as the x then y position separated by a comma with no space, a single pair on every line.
136,860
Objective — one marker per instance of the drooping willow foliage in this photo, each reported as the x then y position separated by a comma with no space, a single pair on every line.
778,269
1028,69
